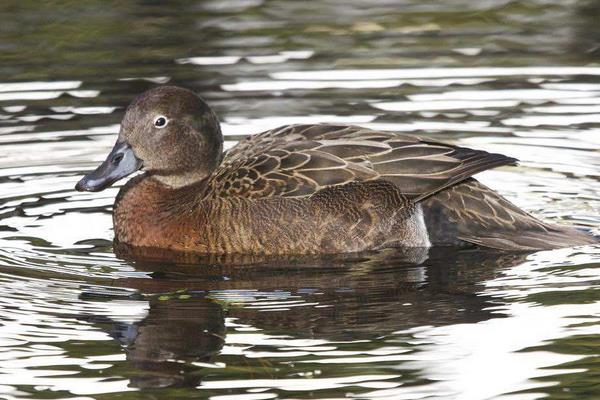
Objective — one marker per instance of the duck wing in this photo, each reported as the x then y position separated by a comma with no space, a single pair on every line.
300,160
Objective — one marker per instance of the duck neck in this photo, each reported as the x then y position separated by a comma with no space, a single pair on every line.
189,179
182,180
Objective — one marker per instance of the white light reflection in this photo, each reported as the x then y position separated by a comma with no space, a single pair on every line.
484,360
428,73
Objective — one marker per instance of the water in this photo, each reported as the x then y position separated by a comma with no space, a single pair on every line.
79,322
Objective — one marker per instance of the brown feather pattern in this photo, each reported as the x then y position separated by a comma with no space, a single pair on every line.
299,160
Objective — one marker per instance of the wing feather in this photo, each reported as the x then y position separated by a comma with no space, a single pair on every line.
299,160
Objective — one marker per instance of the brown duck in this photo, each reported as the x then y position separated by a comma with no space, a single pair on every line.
302,189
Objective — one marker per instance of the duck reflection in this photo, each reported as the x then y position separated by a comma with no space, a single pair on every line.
175,334
350,297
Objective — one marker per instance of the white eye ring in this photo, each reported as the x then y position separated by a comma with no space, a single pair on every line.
161,121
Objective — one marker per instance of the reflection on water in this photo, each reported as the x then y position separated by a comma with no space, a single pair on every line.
168,347
79,321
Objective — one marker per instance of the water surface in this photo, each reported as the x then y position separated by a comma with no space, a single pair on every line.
78,321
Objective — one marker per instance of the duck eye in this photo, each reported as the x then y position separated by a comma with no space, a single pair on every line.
160,121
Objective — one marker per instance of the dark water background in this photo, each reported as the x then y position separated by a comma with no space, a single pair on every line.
516,77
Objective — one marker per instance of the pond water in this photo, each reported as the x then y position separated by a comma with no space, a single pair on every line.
515,77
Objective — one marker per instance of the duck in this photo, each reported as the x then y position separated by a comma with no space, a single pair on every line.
302,188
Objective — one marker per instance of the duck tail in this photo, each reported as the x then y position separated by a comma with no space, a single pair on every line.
473,213
554,237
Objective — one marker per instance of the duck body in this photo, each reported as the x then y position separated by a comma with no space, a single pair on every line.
302,189
349,218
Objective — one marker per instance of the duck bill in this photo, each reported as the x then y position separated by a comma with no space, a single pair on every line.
121,161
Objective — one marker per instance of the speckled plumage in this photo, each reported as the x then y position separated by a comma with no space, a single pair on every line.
302,189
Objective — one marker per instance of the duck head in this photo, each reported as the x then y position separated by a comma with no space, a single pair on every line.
170,133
